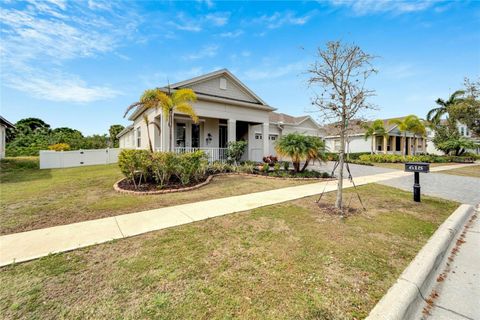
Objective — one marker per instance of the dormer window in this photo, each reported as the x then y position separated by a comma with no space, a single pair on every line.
223,83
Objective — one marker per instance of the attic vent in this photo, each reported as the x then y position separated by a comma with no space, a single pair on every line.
223,83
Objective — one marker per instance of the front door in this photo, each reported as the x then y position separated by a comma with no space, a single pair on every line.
222,136
195,135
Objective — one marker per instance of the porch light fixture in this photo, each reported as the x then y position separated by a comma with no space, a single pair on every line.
208,139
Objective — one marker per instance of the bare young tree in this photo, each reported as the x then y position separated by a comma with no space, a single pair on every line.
340,72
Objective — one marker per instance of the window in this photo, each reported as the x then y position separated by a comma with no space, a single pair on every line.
180,135
272,137
139,137
462,131
467,133
258,136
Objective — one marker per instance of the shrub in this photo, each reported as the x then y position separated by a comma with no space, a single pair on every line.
59,147
394,158
134,164
190,166
276,167
265,167
163,167
219,167
19,163
246,168
325,175
286,165
235,150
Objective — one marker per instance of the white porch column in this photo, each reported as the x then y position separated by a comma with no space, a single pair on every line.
165,134
266,141
232,130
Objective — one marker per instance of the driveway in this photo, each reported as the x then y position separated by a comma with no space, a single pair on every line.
446,186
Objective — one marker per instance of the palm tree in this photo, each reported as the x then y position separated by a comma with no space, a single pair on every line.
435,114
150,99
178,101
410,123
417,126
299,148
376,128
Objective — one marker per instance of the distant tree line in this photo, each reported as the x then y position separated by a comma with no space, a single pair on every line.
31,135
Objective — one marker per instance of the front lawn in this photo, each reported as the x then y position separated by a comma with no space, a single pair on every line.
287,261
32,198
471,171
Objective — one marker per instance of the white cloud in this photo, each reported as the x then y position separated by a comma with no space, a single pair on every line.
185,22
279,19
231,34
265,72
206,52
39,36
57,86
218,19
364,7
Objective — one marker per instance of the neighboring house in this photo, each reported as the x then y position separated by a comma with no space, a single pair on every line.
393,143
228,111
4,124
464,132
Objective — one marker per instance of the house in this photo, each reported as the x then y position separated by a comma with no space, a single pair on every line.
228,111
464,132
4,124
392,143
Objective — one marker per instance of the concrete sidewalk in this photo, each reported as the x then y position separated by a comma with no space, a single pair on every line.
459,293
34,244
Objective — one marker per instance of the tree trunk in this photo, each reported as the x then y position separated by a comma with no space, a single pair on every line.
414,150
341,160
405,146
305,165
372,145
148,136
170,128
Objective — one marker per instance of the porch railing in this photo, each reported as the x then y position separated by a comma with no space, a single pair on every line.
213,154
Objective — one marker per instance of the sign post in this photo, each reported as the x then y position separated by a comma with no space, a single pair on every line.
416,168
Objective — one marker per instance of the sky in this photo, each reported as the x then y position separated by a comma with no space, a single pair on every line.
81,63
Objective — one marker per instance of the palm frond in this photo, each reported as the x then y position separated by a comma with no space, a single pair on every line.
183,95
131,107
187,109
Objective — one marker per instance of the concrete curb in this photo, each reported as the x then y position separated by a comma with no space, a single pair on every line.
405,297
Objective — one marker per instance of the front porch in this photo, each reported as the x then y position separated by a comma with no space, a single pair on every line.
212,136
396,144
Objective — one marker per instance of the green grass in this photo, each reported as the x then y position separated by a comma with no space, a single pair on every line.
470,171
288,261
33,198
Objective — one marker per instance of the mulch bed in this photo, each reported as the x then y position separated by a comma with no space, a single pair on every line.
150,186
125,186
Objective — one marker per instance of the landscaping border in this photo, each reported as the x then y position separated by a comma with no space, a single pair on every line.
207,181
405,298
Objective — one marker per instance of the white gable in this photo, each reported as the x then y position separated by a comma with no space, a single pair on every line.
222,86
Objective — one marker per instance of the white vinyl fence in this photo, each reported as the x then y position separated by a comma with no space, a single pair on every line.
77,158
